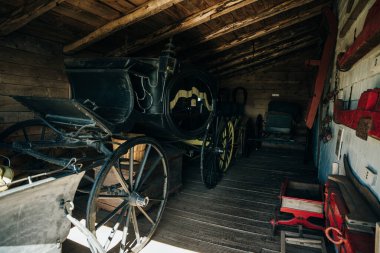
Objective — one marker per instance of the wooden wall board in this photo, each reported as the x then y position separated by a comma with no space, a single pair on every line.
17,56
8,104
27,43
290,80
28,71
28,66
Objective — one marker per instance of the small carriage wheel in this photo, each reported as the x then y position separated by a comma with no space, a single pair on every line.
243,141
211,154
129,195
227,141
26,132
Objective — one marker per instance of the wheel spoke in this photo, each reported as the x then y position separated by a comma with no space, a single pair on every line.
105,189
42,137
115,228
160,200
151,169
142,166
25,134
89,178
110,215
121,180
106,196
146,215
125,232
135,226
131,153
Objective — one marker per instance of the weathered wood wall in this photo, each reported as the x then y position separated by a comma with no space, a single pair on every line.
291,80
28,66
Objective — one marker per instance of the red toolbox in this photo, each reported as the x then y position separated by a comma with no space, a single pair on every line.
350,217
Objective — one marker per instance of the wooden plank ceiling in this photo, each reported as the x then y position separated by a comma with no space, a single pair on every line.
223,36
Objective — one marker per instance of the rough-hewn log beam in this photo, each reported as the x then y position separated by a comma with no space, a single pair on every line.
305,15
194,20
280,61
145,10
265,52
271,56
269,41
25,14
278,9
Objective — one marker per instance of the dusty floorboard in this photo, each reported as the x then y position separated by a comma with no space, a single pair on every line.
233,217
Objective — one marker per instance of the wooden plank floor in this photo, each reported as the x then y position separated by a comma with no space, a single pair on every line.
233,217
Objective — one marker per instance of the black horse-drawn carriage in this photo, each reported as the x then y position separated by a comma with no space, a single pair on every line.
92,133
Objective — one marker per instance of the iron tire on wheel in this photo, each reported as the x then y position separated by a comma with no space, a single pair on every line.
25,133
216,151
141,201
227,142
210,172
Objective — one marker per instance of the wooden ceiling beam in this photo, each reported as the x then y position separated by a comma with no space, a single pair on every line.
143,11
270,57
192,21
25,14
265,14
285,23
267,51
282,60
255,47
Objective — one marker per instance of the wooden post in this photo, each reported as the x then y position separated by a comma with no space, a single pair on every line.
328,52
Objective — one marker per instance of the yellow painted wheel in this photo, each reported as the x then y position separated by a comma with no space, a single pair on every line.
227,145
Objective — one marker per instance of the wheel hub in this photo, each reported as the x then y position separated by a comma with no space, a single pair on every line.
136,200
218,150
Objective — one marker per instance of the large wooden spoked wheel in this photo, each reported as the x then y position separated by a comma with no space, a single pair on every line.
129,195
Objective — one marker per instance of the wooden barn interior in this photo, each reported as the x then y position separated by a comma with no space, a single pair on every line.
277,103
